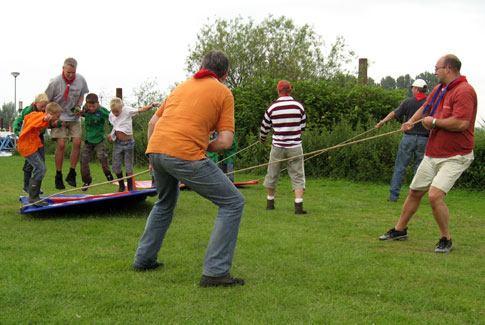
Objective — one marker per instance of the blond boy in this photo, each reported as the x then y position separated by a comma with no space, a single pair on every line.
29,144
121,117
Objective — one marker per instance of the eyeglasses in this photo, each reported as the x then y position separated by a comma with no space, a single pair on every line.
437,68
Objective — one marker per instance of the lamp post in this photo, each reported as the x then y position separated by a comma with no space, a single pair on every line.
15,75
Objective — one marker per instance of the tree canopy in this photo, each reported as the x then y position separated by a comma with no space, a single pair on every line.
7,114
147,92
405,82
275,48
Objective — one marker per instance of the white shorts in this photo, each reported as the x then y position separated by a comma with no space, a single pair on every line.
441,173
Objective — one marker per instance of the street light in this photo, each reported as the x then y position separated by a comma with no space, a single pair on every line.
15,75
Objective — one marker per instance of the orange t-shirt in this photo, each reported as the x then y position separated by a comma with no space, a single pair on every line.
29,139
193,109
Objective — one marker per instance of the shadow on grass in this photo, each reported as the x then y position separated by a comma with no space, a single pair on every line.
125,210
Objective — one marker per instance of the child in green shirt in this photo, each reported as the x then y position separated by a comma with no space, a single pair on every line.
95,119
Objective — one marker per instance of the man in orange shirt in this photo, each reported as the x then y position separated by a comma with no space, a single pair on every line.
29,144
178,137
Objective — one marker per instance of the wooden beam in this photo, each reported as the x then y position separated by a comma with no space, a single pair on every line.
363,71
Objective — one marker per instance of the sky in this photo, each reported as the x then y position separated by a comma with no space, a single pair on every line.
125,43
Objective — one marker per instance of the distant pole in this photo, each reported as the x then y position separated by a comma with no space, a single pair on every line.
15,75
363,71
119,93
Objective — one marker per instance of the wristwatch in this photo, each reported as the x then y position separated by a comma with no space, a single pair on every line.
433,124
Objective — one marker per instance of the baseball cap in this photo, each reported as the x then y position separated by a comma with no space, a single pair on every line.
420,83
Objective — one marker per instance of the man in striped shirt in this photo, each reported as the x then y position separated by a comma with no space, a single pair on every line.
287,118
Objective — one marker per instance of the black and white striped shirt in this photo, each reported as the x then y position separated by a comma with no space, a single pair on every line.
287,118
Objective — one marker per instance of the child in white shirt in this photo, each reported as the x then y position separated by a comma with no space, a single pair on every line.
122,136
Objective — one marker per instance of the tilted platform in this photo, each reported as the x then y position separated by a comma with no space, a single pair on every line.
86,201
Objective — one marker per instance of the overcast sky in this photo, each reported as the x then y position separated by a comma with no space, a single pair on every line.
124,43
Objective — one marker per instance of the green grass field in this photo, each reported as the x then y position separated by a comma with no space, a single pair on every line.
326,267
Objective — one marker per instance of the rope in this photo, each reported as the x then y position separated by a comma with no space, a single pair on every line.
238,152
87,187
314,153
308,158
317,152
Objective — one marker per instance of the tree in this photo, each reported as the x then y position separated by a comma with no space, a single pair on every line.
7,115
275,48
430,79
388,83
404,82
148,92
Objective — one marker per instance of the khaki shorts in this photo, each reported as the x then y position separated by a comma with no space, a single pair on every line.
441,173
71,130
296,169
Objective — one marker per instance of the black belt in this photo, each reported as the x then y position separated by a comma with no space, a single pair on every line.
419,135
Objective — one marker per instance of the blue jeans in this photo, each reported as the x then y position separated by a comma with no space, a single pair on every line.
205,178
410,147
28,167
123,151
36,160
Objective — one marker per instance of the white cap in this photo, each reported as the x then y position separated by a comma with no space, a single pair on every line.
420,83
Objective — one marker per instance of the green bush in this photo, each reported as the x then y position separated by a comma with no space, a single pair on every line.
474,176
326,102
140,126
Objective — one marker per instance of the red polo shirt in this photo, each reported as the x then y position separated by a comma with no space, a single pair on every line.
459,102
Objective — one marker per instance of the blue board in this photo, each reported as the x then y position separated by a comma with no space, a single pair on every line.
73,202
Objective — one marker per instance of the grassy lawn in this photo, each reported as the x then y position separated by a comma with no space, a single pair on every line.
326,267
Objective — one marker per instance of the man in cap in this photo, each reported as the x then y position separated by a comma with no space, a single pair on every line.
287,118
413,143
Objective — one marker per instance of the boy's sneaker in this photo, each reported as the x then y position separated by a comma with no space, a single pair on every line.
71,178
59,182
443,246
220,281
394,234
38,202
85,187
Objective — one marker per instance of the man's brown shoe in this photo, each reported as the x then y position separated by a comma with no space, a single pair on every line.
299,208
269,204
220,281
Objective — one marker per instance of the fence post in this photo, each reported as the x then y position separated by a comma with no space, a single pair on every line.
119,93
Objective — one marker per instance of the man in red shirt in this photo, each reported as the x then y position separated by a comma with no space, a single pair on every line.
449,113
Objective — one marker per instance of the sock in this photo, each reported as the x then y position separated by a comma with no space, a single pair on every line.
270,197
300,200
72,170
59,172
